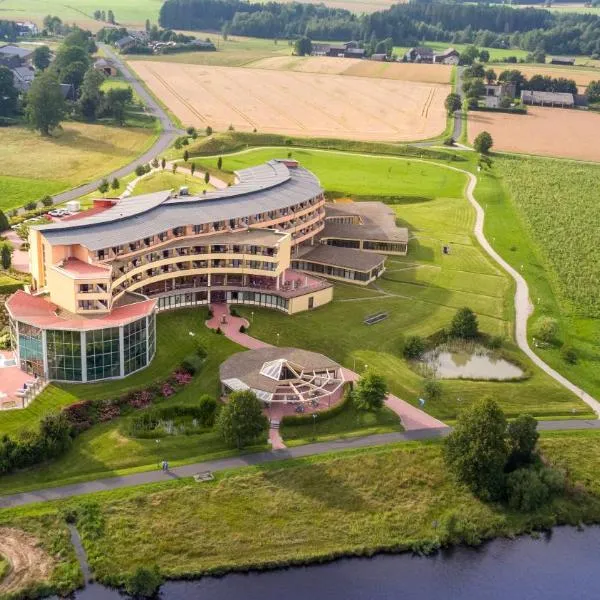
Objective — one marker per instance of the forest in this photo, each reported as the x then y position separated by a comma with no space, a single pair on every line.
406,24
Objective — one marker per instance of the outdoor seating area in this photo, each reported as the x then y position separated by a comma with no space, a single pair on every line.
17,388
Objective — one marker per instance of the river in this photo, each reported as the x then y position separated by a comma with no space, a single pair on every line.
562,565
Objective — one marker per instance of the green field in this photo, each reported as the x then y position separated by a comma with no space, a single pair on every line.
165,180
543,215
32,166
319,508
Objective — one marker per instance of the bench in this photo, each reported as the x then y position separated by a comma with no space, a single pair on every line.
376,318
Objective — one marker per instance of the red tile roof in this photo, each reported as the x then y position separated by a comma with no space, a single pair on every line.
40,312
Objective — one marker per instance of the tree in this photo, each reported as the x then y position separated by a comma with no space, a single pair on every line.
209,130
91,97
97,15
303,46
155,163
67,55
476,70
593,92
6,251
110,17
469,55
371,391
47,201
73,74
52,24
8,93
174,168
163,164
452,103
432,389
241,421
490,75
193,168
46,106
116,101
414,347
522,437
186,155
41,58
114,184
464,324
220,163
474,88
148,26
206,177
4,224
103,187
484,56
483,142
476,451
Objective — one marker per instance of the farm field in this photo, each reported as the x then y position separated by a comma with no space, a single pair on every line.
32,166
297,103
550,234
421,291
359,68
559,132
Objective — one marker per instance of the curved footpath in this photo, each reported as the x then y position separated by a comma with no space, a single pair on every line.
166,137
523,307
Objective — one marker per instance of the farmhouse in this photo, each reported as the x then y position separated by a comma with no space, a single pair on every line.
562,60
27,28
281,376
494,92
105,67
125,43
23,77
421,54
562,99
99,277
346,50
14,56
450,56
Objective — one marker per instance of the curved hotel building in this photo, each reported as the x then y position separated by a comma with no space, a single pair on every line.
99,277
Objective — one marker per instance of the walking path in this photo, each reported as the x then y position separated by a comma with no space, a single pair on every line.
523,307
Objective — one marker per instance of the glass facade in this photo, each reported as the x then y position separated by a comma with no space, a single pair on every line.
103,357
258,298
64,355
134,345
31,348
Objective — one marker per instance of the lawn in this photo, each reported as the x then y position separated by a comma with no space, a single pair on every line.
348,423
76,154
358,174
421,292
318,508
166,180
540,227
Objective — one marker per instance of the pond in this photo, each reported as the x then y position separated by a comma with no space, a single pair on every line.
557,566
479,363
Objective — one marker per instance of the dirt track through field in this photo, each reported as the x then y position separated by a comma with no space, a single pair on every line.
28,562
298,103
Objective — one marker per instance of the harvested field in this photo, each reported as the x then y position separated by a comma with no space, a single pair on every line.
28,563
359,68
559,132
294,103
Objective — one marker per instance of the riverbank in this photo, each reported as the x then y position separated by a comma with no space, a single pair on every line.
356,503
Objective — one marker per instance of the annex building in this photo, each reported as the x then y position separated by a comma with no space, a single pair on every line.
269,240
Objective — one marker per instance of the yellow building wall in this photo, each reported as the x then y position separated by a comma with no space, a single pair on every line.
300,303
62,289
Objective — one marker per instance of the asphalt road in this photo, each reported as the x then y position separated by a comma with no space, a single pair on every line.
157,476
167,136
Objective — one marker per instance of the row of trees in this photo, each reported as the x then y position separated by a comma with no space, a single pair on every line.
537,31
107,17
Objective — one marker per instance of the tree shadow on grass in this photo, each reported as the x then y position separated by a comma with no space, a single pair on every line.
316,482
70,138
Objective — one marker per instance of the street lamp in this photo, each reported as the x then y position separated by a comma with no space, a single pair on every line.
278,339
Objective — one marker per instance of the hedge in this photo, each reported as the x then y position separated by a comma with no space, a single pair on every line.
516,111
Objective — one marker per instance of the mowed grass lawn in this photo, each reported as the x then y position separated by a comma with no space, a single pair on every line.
543,217
420,292
32,166
397,497
165,180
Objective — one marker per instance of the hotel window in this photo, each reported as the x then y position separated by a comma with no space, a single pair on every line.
102,352
64,355
134,345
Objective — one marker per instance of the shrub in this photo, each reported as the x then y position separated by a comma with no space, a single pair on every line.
371,391
182,377
554,479
525,490
47,201
144,582
190,130
449,141
192,363
233,312
30,206
483,142
242,329
522,437
496,342
432,389
414,347
568,354
207,410
201,352
546,329
166,390
141,399
139,170
218,331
